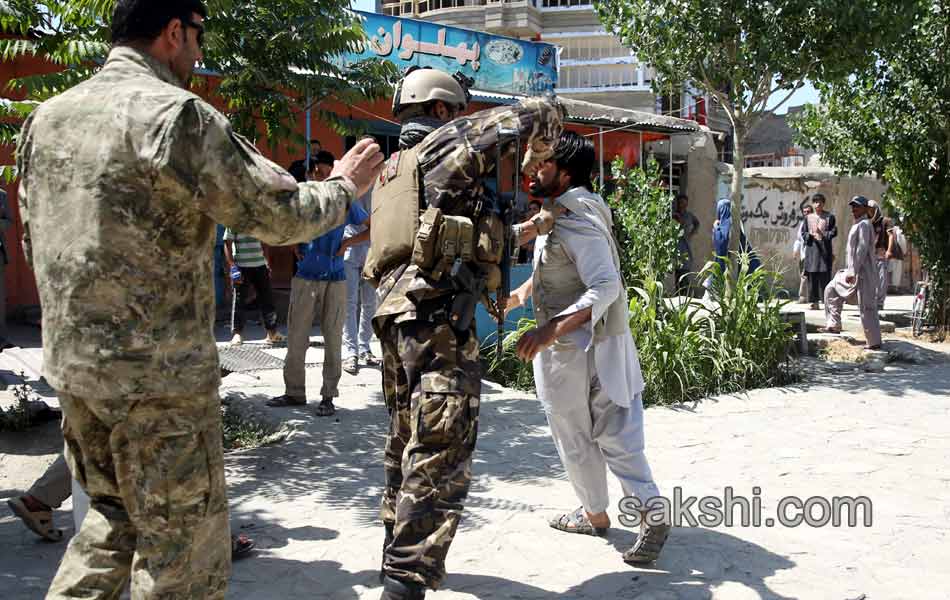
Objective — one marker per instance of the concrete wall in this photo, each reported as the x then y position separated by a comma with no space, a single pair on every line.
702,174
772,205
772,210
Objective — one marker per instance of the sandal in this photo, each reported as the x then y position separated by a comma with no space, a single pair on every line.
241,546
648,545
326,408
577,522
829,330
286,400
39,521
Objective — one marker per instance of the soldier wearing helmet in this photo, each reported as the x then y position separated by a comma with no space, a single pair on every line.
436,243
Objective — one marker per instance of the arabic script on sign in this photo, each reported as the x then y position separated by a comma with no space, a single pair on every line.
384,42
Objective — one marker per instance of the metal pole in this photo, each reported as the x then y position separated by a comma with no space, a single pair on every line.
640,153
307,128
670,140
600,135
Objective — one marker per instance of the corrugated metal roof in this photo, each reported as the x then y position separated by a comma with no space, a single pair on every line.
589,113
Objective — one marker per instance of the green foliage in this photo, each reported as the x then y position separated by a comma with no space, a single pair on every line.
891,118
745,53
689,350
241,431
645,231
507,369
269,47
276,57
18,417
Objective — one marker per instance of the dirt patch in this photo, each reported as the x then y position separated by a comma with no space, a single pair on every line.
844,351
930,337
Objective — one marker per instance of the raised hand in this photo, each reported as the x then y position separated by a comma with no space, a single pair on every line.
362,164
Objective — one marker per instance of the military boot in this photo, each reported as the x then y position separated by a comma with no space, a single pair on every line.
393,589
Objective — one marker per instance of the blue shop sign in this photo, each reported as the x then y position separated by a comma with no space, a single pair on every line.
496,63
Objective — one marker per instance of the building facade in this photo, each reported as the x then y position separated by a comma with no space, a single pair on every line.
772,143
594,65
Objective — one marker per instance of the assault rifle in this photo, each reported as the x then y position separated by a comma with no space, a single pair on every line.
503,205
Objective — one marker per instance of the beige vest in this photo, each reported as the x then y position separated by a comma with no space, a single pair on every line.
556,282
397,198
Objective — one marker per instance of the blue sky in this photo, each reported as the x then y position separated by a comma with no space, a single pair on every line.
806,95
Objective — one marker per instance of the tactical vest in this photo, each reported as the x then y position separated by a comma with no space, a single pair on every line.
404,230
397,199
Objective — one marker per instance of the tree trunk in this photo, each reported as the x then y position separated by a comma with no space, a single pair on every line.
738,164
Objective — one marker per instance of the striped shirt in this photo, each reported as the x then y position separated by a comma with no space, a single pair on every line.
247,250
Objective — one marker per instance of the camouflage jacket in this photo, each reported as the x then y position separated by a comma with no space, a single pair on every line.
123,179
454,159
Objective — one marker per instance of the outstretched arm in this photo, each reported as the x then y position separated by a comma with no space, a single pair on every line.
458,155
233,184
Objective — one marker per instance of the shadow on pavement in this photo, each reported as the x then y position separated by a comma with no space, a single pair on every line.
694,563
340,458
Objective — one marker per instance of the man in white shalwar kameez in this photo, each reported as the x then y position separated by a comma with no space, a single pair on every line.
858,277
585,361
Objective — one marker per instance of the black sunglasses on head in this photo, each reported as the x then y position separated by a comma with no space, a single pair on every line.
200,28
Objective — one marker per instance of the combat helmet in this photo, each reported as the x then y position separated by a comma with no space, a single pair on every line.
424,84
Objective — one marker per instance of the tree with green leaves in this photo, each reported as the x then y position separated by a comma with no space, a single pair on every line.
750,57
276,58
646,234
892,118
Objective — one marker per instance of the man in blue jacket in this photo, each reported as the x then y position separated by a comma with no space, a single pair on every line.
319,288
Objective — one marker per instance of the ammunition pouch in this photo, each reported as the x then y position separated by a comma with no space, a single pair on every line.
442,240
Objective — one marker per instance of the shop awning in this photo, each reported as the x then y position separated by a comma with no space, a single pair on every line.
599,115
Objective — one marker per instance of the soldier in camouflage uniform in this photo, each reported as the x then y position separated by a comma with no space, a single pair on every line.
431,371
123,179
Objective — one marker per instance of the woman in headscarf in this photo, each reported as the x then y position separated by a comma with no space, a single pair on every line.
721,228
720,238
721,231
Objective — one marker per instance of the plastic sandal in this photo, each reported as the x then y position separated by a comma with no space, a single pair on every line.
39,521
241,546
648,545
577,522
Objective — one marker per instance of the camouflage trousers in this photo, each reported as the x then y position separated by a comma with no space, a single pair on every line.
154,473
432,382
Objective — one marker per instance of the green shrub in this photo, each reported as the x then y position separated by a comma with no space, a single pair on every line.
18,417
507,369
689,350
243,431
644,228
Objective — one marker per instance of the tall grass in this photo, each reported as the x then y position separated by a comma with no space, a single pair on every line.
690,350
507,369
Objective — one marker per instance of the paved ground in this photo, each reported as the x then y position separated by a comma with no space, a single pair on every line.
311,502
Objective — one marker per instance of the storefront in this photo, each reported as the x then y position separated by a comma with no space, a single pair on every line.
503,69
